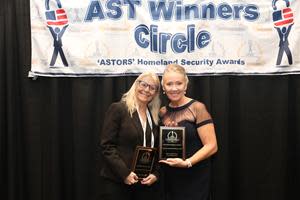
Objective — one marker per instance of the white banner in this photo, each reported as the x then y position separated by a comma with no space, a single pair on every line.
126,37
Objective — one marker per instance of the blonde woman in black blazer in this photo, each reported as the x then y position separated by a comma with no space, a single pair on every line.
129,123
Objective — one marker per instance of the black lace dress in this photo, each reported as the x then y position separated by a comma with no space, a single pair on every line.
188,183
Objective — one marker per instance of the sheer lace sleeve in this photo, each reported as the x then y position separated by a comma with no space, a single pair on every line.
201,113
162,113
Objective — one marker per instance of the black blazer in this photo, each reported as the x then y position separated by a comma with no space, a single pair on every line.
121,134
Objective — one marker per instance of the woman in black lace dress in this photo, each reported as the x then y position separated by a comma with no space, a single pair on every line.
187,179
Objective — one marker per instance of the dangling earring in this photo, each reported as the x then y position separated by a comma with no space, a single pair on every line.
164,92
184,92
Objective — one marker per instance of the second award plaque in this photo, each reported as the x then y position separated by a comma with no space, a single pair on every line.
171,142
143,161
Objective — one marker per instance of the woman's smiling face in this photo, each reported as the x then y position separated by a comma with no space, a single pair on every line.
174,85
145,90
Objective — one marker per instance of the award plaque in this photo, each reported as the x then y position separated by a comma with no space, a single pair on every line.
171,142
143,161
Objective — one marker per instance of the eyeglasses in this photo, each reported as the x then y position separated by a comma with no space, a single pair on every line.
144,85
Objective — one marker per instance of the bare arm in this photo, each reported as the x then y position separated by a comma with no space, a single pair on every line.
208,138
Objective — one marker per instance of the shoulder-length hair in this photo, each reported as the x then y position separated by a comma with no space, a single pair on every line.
129,98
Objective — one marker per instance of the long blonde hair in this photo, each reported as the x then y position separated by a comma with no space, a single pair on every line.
129,98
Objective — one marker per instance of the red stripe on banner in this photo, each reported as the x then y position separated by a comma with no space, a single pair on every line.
62,17
60,11
290,15
287,10
284,22
57,23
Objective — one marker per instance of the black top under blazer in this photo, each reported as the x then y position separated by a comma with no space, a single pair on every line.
121,134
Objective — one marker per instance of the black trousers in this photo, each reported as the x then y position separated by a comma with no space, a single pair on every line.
111,190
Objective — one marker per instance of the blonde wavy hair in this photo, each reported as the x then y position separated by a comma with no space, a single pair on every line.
175,68
129,98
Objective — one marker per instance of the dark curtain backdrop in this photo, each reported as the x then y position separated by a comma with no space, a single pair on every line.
49,127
